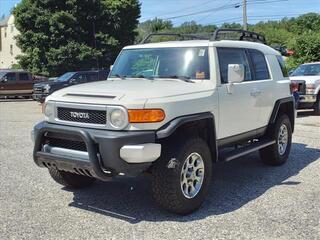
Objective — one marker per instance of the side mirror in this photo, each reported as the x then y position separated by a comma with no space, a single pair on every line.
4,79
72,80
111,66
236,73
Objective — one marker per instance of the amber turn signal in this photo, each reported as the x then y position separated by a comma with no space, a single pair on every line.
146,115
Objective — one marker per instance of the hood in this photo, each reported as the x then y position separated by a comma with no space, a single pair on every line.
308,79
51,83
129,90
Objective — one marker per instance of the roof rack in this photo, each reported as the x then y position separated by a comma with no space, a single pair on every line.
237,34
179,36
219,34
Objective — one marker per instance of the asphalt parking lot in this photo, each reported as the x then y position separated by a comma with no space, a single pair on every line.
248,200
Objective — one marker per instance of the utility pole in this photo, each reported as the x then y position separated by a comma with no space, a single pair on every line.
245,19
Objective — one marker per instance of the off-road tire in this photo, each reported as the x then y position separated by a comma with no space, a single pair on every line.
270,155
70,180
166,185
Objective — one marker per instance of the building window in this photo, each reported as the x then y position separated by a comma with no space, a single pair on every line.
5,32
11,49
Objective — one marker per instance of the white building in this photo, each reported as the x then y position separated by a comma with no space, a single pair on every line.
8,47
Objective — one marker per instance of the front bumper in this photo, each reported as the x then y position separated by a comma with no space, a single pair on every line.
40,97
107,153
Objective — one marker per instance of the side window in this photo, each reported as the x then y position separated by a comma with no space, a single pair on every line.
92,77
282,66
233,56
11,76
23,76
81,78
259,65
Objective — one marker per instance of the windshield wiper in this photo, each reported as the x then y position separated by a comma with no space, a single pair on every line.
142,76
119,76
183,78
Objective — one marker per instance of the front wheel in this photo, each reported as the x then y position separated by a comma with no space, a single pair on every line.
70,180
278,153
181,179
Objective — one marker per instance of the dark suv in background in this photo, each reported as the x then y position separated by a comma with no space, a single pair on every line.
42,90
14,83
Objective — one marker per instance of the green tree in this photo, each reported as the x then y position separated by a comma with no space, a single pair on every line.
153,26
306,48
64,35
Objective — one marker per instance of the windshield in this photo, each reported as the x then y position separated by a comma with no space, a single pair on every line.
2,74
65,77
307,70
187,63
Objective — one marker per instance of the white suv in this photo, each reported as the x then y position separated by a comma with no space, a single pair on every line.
169,109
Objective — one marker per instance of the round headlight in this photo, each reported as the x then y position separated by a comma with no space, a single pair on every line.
48,109
46,88
118,118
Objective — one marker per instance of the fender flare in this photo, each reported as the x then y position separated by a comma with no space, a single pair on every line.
276,109
168,129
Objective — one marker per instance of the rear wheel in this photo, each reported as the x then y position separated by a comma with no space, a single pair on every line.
70,180
281,132
181,179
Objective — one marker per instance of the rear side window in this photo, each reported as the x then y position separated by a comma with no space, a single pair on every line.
233,56
23,76
259,65
282,66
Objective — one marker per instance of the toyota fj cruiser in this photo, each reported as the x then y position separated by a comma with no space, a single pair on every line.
169,109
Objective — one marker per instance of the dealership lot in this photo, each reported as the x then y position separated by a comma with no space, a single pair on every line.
248,200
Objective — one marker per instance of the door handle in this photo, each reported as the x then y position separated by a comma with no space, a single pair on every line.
255,93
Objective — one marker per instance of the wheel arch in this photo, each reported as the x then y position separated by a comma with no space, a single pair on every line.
202,125
284,105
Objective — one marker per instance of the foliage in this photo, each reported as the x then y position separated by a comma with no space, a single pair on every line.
306,48
66,35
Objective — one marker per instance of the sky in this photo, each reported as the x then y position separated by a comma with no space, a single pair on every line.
214,11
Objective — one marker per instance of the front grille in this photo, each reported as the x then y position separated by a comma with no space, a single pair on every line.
82,115
38,90
66,143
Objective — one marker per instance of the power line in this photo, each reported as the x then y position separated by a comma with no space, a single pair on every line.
224,7
187,8
258,17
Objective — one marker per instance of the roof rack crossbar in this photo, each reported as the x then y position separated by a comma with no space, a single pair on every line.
177,35
244,35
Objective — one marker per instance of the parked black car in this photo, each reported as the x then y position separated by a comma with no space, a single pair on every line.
42,90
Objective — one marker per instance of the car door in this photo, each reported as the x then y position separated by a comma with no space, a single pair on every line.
9,85
92,77
80,78
238,110
264,94
25,83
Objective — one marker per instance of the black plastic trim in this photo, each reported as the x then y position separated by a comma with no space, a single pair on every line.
169,128
242,137
277,107
103,148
